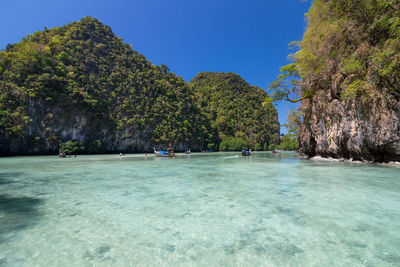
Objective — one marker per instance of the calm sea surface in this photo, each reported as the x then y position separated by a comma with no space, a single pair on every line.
206,209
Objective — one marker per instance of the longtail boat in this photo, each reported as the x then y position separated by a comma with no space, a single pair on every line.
246,152
162,153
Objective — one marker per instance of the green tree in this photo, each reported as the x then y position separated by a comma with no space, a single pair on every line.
233,144
72,147
272,147
289,142
294,121
257,147
94,146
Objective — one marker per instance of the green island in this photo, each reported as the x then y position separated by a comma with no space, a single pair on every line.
80,86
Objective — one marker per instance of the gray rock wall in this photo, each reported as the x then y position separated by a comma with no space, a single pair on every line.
358,129
49,125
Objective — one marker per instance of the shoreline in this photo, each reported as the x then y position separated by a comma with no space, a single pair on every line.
330,159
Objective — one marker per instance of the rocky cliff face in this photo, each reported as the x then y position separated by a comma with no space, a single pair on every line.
351,129
349,65
52,125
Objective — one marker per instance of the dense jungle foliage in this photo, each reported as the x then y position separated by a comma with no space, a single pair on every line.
236,109
84,65
232,144
83,68
351,48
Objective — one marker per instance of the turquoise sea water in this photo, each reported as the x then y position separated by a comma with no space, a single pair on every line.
206,209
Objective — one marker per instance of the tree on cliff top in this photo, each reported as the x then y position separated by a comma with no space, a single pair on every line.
350,47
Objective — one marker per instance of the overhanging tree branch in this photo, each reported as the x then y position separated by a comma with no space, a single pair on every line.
288,83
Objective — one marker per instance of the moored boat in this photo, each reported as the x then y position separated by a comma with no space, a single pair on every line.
162,153
246,152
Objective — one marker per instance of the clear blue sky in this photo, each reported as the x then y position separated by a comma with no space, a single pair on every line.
248,37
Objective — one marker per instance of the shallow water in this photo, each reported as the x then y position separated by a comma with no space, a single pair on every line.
217,209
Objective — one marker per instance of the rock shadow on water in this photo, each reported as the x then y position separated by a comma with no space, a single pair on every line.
364,227
170,248
390,258
5,177
99,254
288,249
356,244
18,213
230,250
3,261
297,217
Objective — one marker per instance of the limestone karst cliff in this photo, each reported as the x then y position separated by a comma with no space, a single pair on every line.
349,64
